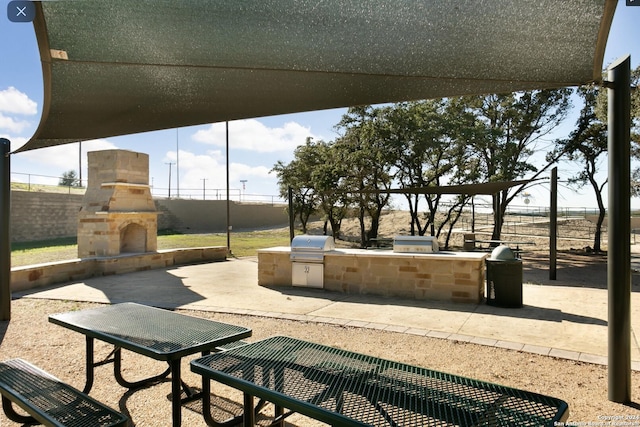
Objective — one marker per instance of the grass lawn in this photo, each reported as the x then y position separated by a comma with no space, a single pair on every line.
242,244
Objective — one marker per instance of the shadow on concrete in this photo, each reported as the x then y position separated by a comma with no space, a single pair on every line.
161,288
574,270
526,312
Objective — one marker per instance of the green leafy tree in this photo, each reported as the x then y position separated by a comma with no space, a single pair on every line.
367,167
602,114
415,139
587,145
327,180
428,142
69,179
509,129
297,176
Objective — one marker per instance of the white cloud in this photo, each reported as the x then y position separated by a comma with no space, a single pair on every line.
15,102
65,157
194,168
255,136
11,125
16,142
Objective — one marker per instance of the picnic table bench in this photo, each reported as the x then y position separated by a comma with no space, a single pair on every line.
49,401
344,388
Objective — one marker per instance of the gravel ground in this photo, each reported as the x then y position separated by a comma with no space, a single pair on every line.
61,352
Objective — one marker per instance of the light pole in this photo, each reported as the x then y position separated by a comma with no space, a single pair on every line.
243,181
169,163
203,187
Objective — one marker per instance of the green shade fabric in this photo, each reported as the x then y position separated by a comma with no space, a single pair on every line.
123,67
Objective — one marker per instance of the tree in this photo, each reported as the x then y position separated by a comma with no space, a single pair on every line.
509,129
420,155
586,146
365,159
70,179
297,176
602,111
428,140
327,180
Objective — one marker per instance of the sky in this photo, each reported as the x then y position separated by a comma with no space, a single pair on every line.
195,156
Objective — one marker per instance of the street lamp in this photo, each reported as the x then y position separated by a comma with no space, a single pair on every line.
243,181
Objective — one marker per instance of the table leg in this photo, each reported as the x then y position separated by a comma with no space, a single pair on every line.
7,407
89,366
249,415
117,372
279,412
176,390
206,408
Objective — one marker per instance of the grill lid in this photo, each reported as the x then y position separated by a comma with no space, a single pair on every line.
307,243
412,244
305,248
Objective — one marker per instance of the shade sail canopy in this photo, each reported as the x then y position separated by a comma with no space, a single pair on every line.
122,67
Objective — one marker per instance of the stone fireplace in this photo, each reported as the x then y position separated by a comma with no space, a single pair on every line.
118,214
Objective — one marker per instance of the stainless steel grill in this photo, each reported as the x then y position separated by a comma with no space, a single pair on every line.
307,260
307,248
415,244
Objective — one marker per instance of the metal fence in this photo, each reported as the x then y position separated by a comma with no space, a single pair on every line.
37,182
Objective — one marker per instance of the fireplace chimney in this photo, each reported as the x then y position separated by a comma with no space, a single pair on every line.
118,214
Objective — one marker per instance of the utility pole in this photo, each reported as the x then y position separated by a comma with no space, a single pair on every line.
203,188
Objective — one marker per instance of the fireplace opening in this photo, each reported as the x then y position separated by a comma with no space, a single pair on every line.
133,239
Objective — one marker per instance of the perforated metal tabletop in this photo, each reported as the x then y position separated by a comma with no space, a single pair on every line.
153,332
343,388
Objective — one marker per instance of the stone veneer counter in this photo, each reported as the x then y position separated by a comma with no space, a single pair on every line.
450,276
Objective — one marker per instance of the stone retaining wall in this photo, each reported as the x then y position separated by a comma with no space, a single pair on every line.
33,276
43,216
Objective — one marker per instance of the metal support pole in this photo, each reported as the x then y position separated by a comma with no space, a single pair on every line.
228,209
5,230
291,215
553,225
619,243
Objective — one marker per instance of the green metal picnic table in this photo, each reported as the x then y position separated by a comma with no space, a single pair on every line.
159,334
344,388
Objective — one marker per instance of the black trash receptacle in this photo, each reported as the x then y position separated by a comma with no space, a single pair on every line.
504,278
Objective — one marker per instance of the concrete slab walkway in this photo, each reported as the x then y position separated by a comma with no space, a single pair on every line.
556,320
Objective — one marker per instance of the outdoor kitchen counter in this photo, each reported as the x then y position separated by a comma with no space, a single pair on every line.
444,275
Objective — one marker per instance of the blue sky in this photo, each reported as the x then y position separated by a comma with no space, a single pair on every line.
256,144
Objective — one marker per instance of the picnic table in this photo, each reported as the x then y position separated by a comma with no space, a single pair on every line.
159,334
517,249
344,388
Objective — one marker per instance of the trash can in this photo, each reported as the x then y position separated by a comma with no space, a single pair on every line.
504,278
